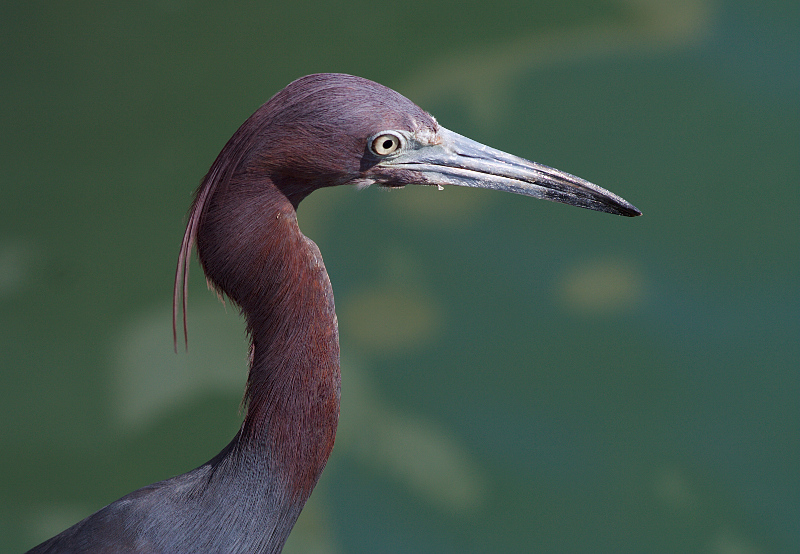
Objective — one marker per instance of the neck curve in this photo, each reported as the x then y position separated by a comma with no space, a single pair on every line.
252,250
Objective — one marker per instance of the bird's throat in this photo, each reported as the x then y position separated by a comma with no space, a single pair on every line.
277,277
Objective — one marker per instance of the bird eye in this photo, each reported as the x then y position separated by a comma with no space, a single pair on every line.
385,144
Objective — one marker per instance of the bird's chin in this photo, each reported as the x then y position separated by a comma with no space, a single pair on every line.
361,184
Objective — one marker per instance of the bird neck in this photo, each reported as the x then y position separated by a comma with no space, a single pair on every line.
252,249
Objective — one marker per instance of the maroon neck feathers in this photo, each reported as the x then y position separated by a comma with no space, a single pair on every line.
252,251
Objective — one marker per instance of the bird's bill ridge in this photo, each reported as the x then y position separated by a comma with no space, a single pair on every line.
461,161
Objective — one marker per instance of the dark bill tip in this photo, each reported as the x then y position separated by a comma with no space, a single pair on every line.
460,161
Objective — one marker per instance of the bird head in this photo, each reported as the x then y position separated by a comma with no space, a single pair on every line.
333,129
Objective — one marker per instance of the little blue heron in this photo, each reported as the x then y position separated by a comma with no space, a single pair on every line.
320,131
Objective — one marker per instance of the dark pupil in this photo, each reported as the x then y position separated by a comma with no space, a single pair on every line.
387,144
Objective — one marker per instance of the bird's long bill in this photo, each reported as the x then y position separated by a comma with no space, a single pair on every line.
458,160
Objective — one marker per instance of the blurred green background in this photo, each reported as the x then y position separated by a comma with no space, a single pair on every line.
518,375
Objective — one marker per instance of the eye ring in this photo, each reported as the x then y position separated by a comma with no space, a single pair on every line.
385,143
